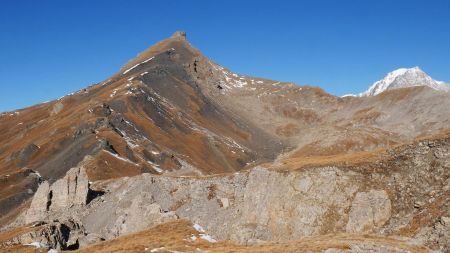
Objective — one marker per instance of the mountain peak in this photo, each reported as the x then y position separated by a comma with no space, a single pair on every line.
403,78
179,35
177,40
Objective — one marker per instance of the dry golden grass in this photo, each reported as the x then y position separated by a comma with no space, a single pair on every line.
174,236
7,235
302,159
10,234
21,249
288,130
171,235
10,216
427,216
348,159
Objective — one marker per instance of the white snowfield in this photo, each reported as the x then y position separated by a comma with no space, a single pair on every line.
405,77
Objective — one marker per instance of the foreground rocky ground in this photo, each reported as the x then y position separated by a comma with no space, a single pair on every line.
180,236
399,202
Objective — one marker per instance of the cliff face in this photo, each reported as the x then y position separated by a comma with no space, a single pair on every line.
405,195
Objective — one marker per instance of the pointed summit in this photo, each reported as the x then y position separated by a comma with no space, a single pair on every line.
175,42
179,35
403,78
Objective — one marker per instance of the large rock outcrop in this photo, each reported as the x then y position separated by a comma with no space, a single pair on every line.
72,190
245,207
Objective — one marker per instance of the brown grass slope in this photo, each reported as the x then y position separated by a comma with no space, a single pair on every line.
177,236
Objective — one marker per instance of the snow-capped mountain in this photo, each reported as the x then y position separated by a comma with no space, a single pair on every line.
405,77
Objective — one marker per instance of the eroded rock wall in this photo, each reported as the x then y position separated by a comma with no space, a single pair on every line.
72,190
260,205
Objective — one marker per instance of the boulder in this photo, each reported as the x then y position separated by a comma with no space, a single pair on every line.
369,210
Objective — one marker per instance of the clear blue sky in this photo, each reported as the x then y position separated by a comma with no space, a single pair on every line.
51,48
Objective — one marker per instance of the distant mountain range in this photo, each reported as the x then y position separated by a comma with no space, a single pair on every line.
403,78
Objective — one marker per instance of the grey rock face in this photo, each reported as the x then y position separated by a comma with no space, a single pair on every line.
369,209
246,207
72,190
38,207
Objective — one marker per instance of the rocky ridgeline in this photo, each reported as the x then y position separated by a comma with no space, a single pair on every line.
260,205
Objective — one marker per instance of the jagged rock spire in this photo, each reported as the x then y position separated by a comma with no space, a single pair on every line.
179,35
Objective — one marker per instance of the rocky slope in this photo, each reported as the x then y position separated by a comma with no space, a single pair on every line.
406,194
174,135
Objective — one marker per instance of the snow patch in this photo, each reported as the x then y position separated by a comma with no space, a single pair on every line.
37,174
119,157
198,228
37,245
155,167
157,249
202,233
128,140
208,238
135,66
14,113
113,93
